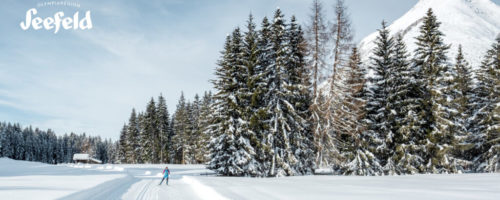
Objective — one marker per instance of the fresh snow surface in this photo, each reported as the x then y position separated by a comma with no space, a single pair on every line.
31,180
473,23
418,187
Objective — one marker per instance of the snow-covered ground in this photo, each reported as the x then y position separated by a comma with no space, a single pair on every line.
31,180
424,187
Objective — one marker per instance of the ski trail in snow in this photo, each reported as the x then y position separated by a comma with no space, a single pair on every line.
144,190
203,191
149,189
108,190
138,186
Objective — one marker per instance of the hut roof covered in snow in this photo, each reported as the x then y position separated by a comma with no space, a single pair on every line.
83,157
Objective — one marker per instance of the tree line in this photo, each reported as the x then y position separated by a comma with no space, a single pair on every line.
45,146
288,101
273,114
153,136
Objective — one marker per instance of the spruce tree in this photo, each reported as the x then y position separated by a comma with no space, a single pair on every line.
133,139
3,139
205,122
252,94
182,132
461,105
259,121
149,134
493,132
230,153
277,101
122,152
430,58
379,133
358,158
404,100
172,147
244,156
189,134
299,96
486,120
198,131
163,129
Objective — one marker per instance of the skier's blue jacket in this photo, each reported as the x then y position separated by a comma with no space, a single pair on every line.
166,172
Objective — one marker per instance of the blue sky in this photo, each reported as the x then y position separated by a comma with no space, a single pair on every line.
89,80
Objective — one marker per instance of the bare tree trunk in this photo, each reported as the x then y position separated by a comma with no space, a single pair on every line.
342,38
336,48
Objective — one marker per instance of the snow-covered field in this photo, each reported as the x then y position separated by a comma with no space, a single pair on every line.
31,180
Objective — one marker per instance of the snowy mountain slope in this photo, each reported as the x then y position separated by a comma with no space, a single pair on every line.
473,23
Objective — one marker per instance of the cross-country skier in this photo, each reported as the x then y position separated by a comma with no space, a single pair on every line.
166,172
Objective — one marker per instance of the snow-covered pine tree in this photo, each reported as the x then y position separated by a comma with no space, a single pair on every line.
259,121
358,159
19,143
461,105
122,151
113,152
133,152
244,156
182,131
195,116
486,121
379,133
462,92
188,134
60,148
172,146
153,124
281,116
149,133
253,110
205,127
2,138
231,151
197,145
68,143
192,138
50,144
142,157
299,97
30,143
444,135
101,149
493,131
163,118
430,58
221,143
404,99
